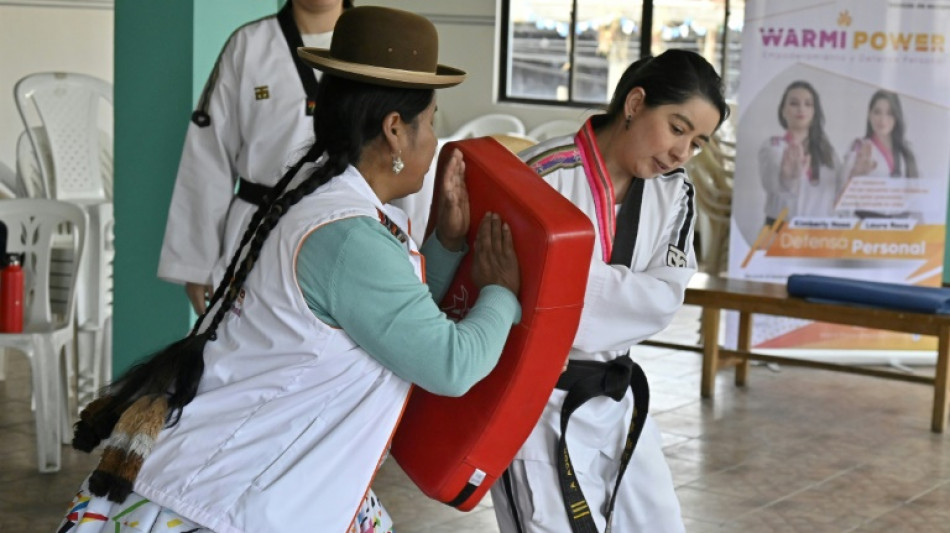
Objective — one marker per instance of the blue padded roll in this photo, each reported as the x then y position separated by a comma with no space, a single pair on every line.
870,293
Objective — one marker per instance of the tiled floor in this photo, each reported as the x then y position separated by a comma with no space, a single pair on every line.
798,450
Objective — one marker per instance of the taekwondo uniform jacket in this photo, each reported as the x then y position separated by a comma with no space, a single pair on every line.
884,161
884,168
292,418
623,305
256,126
803,196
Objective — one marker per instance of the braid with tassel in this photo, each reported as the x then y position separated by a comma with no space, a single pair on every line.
154,393
133,410
175,367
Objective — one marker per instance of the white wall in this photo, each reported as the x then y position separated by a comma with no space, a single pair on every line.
34,39
38,39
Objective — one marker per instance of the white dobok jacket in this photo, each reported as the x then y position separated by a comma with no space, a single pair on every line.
292,418
258,126
883,161
802,196
623,305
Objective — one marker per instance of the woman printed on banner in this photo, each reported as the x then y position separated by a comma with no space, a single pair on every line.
884,150
799,168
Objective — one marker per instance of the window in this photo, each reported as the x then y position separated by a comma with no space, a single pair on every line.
572,52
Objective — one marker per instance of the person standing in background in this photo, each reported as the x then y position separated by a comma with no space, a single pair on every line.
254,115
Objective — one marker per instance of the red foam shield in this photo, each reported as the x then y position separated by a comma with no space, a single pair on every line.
453,449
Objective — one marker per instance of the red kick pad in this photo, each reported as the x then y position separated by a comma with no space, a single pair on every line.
455,448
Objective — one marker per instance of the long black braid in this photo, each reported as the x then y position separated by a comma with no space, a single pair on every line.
253,226
333,166
342,130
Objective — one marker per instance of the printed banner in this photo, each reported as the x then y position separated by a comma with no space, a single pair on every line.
842,165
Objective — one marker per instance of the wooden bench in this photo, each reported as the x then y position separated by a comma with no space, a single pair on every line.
714,294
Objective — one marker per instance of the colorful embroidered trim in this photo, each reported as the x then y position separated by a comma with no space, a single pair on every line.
396,231
555,159
888,155
601,188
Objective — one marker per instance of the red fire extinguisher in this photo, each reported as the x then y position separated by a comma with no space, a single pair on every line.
11,296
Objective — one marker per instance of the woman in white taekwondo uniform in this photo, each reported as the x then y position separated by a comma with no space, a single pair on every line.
884,150
275,414
624,169
799,169
253,119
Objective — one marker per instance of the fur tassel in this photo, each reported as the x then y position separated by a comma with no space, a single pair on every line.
95,424
126,450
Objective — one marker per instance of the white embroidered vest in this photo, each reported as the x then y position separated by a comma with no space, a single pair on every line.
292,417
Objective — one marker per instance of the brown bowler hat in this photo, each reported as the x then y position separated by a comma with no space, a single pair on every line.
384,46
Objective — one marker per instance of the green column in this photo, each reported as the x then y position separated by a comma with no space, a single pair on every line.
946,253
163,54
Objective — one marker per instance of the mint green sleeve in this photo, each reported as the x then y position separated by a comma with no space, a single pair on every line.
356,276
441,265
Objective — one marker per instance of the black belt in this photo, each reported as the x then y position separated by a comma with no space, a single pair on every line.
254,193
862,213
584,380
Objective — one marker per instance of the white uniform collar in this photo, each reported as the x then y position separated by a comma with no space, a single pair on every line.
353,178
317,40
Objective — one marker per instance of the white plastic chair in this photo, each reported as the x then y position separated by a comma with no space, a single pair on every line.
67,106
29,175
34,227
94,305
489,124
61,115
553,128
8,183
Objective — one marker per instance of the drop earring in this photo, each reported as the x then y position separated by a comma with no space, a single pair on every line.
626,122
398,165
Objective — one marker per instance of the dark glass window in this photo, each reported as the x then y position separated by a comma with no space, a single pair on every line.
572,52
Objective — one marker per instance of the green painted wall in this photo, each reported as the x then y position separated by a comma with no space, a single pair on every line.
152,102
215,20
163,54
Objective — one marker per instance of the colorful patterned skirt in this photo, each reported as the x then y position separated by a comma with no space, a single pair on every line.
93,514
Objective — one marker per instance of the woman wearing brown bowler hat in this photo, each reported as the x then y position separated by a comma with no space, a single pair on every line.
276,412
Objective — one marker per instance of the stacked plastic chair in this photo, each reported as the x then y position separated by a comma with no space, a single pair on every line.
554,128
61,114
489,124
